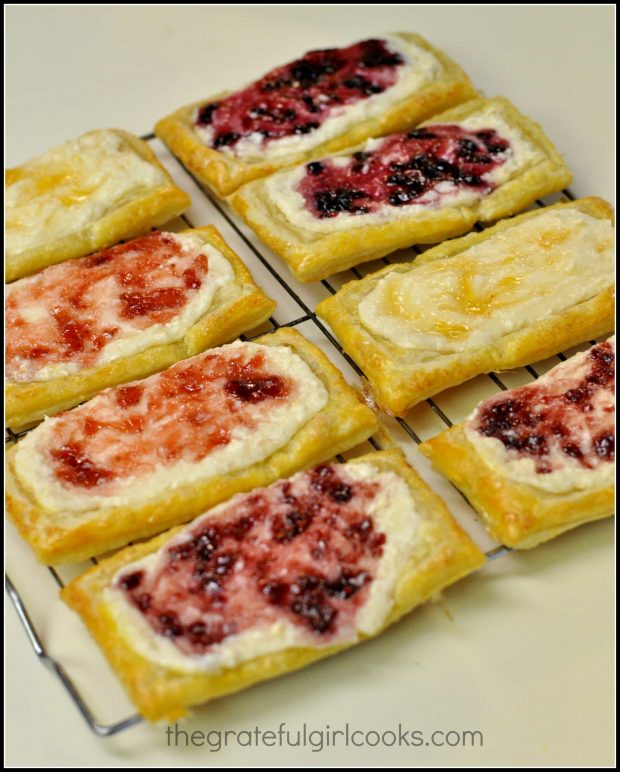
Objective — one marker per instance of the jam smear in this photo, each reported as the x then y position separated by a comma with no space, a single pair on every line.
184,413
405,169
74,467
129,396
84,304
257,389
298,97
293,550
534,420
142,303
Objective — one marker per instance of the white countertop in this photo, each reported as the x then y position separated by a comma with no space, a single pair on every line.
522,651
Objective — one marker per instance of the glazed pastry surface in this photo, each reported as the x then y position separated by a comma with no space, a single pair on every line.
508,296
87,194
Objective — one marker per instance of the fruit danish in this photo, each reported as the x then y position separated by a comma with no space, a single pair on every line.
511,295
82,196
76,328
270,581
540,459
151,454
479,161
323,102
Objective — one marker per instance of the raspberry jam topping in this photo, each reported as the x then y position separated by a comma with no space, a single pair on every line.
413,168
568,414
298,97
181,414
70,312
305,549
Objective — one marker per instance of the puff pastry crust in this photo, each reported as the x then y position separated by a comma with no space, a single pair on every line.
342,423
313,255
237,307
148,207
223,173
518,512
441,556
400,377
515,514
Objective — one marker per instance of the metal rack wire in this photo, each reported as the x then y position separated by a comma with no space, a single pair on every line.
293,290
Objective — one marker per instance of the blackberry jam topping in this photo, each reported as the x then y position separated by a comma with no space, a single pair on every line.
331,202
304,549
315,168
376,55
569,417
205,114
605,446
131,581
405,169
226,138
297,98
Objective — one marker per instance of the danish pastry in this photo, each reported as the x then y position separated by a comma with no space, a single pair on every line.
142,457
76,328
479,161
513,294
538,460
271,581
82,196
323,102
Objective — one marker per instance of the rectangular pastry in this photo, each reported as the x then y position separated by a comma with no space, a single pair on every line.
84,195
538,460
513,294
323,102
140,458
271,581
126,312
479,161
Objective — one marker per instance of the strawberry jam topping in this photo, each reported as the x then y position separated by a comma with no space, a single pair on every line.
70,312
304,549
569,413
298,97
413,168
182,414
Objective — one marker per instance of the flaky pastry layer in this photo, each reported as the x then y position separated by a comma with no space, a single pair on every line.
441,556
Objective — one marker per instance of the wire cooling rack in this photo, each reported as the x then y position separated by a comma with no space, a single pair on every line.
56,635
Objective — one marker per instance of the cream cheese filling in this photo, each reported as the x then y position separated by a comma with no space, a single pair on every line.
247,446
518,276
420,68
394,513
70,186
